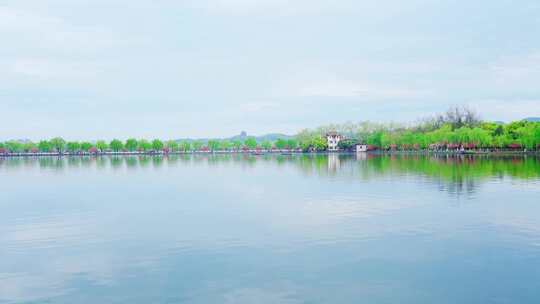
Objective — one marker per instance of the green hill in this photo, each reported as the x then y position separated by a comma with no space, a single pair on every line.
242,136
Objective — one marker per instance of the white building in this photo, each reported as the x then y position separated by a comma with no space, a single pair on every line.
333,162
332,140
361,148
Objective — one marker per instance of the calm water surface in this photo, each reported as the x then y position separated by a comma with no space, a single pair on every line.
270,229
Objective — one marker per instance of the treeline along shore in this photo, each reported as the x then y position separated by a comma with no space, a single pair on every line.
58,146
458,130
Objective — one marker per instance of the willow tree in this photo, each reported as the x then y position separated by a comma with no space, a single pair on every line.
250,142
529,135
29,146
266,145
225,145
14,146
131,144
213,144
172,145
116,145
292,143
319,144
281,143
44,146
236,144
185,146
86,146
73,146
102,146
157,145
58,144
197,145
144,145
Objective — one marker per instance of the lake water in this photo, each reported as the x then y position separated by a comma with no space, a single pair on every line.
270,229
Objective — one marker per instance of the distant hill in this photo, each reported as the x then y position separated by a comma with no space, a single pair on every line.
530,119
267,137
242,136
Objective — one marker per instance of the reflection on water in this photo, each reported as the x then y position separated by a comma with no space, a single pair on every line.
454,173
247,228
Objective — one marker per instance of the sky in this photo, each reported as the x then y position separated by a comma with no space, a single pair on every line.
103,69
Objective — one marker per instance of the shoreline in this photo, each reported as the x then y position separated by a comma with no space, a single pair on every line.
264,152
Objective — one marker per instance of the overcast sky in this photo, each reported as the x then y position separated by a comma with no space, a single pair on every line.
89,69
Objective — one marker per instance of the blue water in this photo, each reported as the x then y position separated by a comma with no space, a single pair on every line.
270,229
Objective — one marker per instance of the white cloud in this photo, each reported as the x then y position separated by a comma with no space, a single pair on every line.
507,109
14,19
30,31
190,58
522,71
384,9
254,107
345,88
336,82
42,68
49,48
280,7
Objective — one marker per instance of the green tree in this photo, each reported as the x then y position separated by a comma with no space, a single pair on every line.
306,137
390,140
375,139
213,144
266,145
528,135
29,146
73,146
86,146
481,137
251,143
305,145
101,145
131,144
281,143
512,129
494,129
186,146
237,144
58,144
197,145
44,146
420,141
500,141
14,146
173,145
536,135
292,144
225,145
319,144
346,144
157,145
116,145
144,145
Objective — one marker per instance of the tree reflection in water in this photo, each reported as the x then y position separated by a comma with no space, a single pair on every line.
455,174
